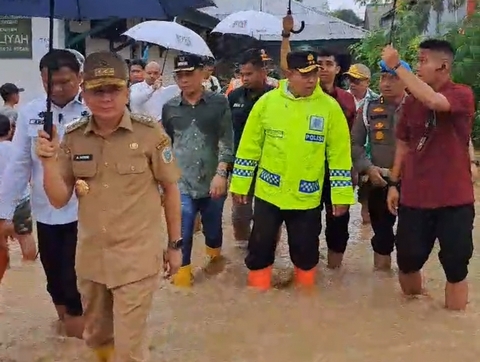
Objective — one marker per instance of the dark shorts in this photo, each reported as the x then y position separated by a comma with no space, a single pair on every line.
418,229
22,217
57,246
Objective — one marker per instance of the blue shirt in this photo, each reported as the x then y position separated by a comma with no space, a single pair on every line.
24,165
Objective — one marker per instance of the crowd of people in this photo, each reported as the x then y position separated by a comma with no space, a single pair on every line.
285,150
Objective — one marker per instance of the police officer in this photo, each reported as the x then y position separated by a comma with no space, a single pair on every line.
297,116
114,161
373,149
241,101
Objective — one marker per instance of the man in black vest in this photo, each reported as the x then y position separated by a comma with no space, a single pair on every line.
241,100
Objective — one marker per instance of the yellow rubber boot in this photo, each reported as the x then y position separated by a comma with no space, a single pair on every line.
215,262
104,354
184,277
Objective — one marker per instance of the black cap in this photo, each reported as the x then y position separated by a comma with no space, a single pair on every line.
303,61
187,63
5,125
9,89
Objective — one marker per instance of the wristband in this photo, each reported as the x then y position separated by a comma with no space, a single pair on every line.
397,66
285,35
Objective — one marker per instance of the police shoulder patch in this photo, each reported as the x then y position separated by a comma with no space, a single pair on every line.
76,124
143,119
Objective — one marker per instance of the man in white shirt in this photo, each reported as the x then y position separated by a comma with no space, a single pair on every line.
56,229
148,97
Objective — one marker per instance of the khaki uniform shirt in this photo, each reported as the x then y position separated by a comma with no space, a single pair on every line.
119,218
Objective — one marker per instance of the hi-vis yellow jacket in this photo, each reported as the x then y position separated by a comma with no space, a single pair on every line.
289,139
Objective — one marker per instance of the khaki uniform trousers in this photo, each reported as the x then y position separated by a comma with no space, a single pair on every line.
118,317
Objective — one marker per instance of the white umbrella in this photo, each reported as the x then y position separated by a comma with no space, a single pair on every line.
252,23
170,35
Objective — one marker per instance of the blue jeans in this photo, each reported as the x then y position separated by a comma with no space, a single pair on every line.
211,211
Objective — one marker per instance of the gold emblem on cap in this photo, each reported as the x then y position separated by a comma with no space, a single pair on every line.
310,57
104,72
379,135
81,188
133,146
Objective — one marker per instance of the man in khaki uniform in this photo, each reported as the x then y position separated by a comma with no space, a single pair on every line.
115,161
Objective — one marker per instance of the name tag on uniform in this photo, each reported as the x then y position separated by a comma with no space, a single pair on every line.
316,123
35,125
237,105
82,157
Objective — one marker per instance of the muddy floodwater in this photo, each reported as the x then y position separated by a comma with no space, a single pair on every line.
355,315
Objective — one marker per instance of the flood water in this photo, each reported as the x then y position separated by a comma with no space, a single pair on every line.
354,315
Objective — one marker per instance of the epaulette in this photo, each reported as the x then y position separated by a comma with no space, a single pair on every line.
76,124
141,118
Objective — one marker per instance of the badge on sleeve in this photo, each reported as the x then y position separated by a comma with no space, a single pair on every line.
316,123
167,155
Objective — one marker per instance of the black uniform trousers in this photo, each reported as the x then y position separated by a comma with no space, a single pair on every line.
302,228
382,220
57,246
336,230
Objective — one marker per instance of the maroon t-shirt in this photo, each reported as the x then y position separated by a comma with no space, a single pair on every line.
439,174
347,102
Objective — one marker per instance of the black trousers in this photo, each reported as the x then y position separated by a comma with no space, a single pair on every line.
336,230
57,246
382,221
302,229
419,228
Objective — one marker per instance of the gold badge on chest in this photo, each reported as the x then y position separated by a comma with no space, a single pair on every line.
81,188
379,135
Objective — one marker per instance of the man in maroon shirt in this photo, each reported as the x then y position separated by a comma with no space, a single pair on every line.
433,163
336,231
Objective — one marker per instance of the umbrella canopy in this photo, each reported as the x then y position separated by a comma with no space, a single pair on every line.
100,9
252,23
170,35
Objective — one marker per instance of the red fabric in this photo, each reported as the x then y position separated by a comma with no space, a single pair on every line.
347,102
471,7
439,174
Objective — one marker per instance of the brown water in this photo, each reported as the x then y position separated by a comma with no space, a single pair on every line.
355,315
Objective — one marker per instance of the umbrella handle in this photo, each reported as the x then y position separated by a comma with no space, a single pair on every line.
302,24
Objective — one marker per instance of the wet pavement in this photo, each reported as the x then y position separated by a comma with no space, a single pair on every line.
354,315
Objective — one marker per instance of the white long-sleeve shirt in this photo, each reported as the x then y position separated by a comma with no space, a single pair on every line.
6,151
24,164
145,100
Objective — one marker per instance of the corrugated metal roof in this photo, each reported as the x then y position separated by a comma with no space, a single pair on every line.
319,25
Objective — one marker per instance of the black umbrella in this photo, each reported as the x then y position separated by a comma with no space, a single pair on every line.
302,23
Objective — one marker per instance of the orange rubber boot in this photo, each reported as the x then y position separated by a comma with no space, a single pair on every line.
304,278
260,279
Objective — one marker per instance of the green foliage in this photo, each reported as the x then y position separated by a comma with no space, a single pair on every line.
466,39
406,37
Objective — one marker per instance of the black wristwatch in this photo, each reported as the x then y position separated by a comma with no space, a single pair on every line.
391,183
175,245
285,35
